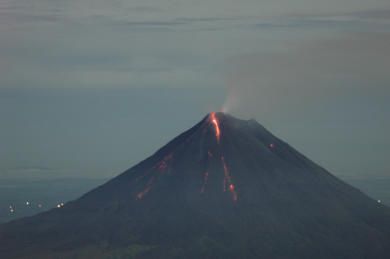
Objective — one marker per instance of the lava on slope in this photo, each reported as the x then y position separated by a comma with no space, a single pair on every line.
226,188
228,180
214,121
163,165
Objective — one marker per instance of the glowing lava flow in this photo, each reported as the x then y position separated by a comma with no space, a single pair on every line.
141,194
228,180
214,121
162,167
163,164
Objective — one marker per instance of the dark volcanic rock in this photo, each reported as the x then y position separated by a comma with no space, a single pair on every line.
242,194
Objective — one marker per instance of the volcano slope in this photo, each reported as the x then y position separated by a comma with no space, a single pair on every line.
226,188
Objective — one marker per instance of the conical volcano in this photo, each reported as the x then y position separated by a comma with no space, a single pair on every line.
226,188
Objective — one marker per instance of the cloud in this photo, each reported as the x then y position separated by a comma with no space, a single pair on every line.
366,20
34,171
89,42
374,14
260,83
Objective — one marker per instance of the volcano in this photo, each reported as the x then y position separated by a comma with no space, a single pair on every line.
226,188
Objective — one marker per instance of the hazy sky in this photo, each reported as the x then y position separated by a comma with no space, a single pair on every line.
90,87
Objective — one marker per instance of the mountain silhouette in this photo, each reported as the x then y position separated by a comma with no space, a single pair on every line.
226,188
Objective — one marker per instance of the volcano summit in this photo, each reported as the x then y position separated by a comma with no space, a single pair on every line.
226,188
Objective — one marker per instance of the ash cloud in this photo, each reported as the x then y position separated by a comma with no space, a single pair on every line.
261,83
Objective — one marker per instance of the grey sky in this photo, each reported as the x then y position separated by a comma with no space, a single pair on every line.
90,87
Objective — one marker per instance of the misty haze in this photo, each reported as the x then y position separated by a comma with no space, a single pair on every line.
183,129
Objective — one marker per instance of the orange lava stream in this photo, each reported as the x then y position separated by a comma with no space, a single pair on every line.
228,180
141,194
214,120
162,167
